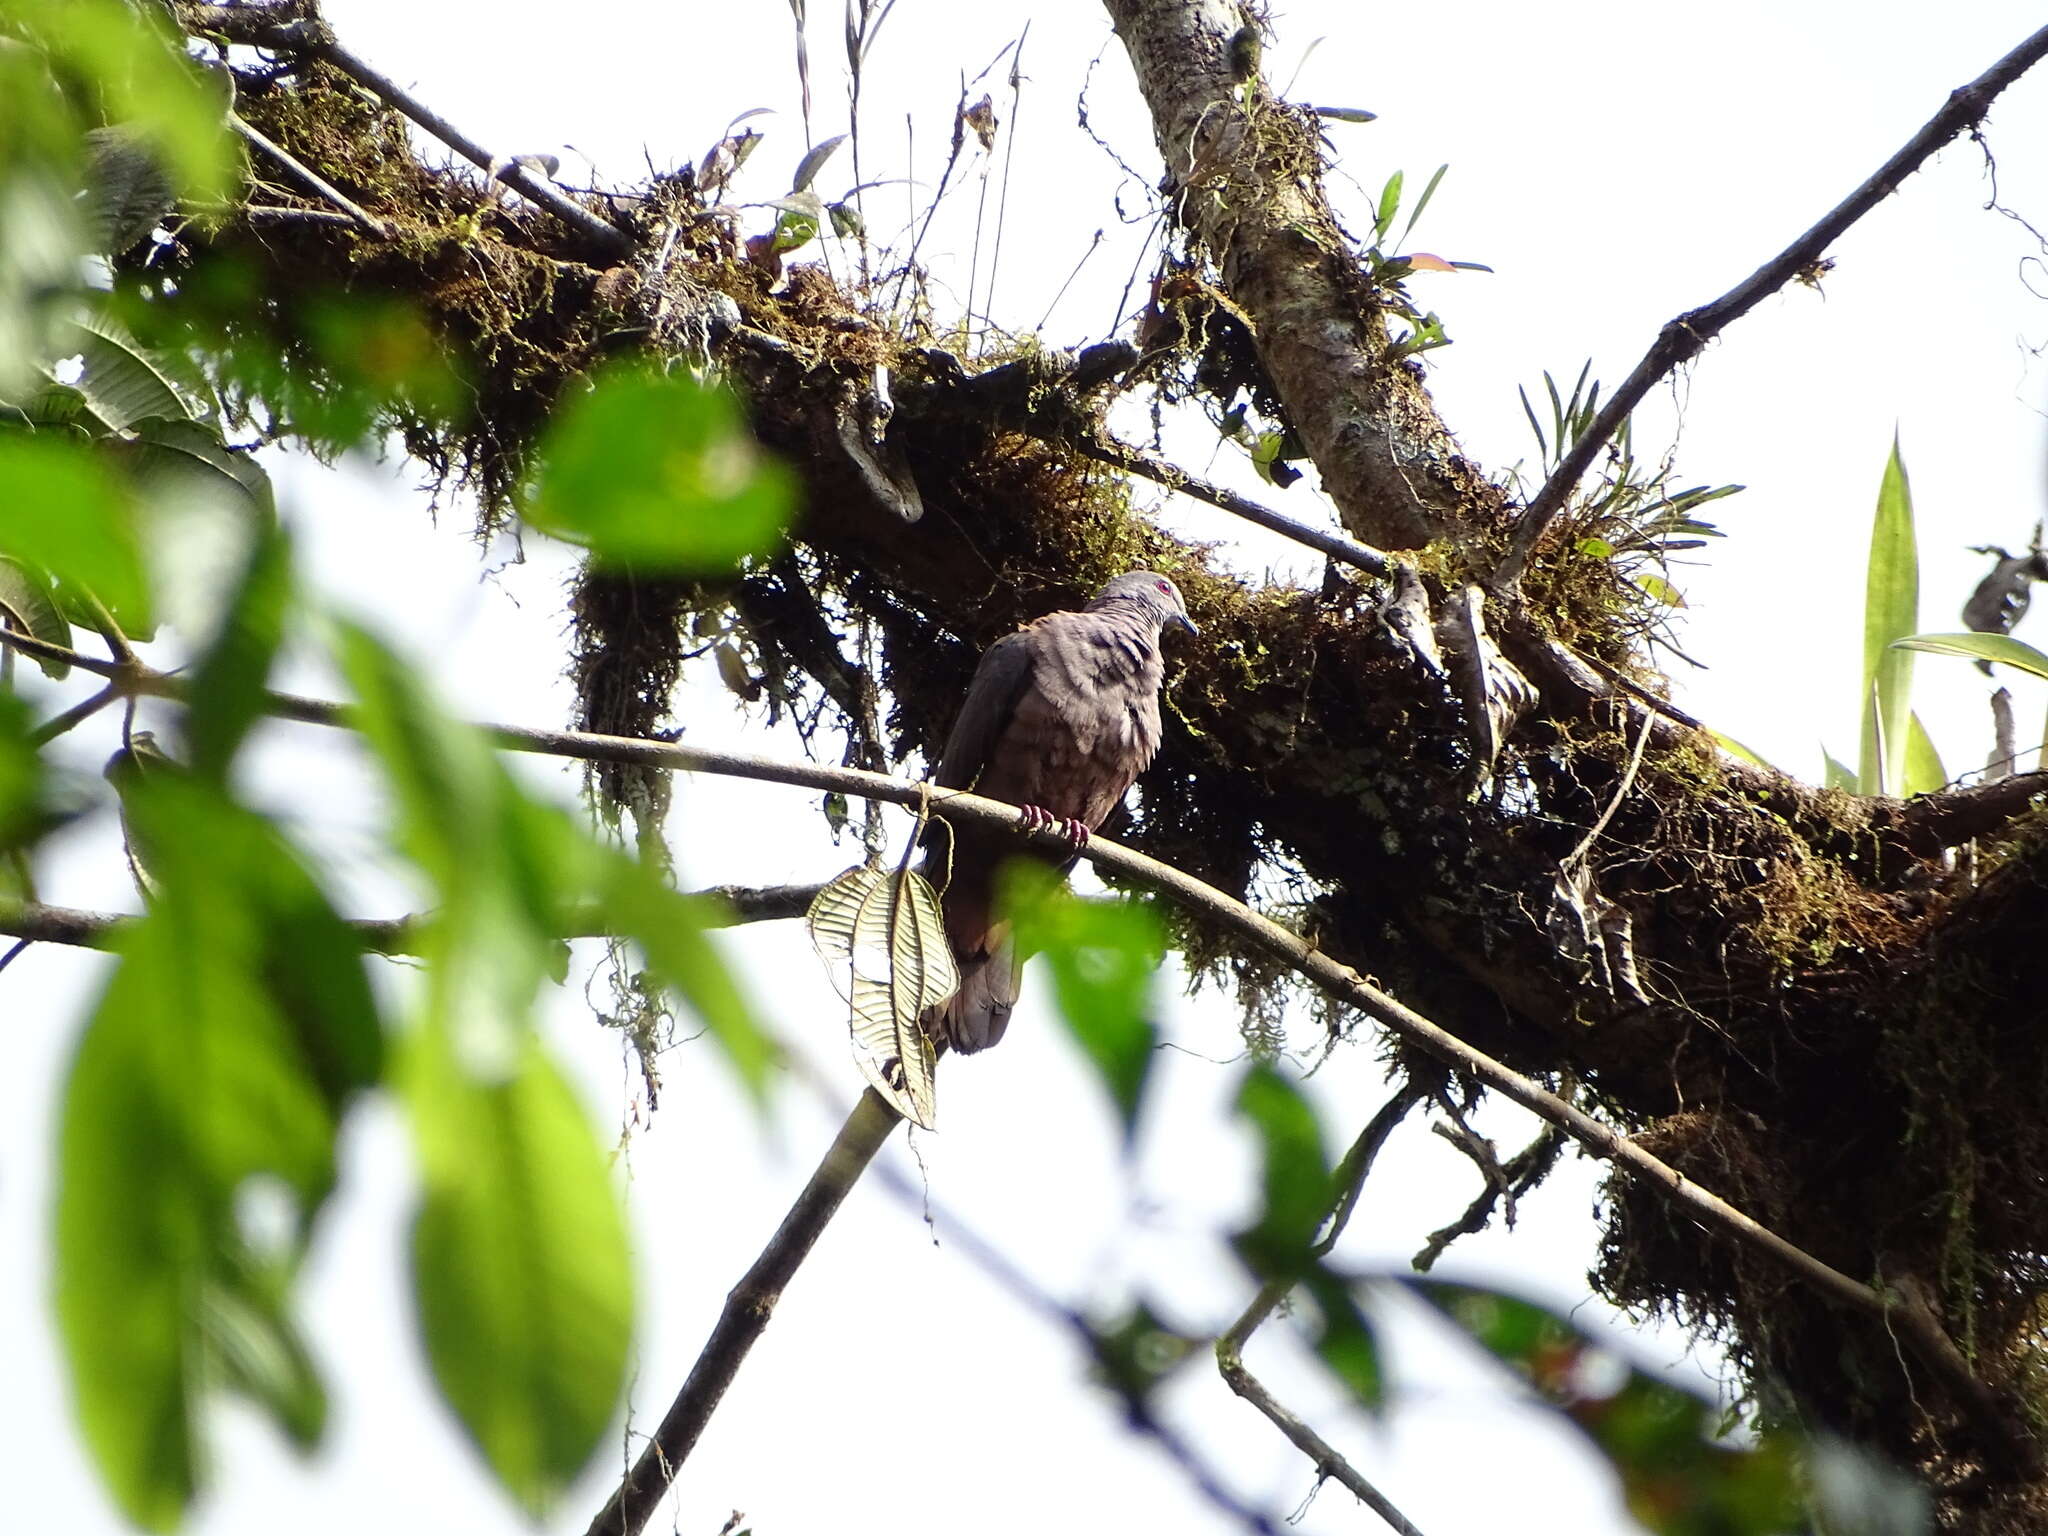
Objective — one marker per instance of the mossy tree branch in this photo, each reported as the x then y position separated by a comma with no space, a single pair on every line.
1912,1319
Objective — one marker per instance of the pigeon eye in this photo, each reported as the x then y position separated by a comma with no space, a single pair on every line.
1166,587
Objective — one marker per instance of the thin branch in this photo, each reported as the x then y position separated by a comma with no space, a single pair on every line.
314,182
254,26
1334,978
747,1309
1350,1176
1515,1179
726,906
76,715
110,631
1685,337
1335,545
985,1256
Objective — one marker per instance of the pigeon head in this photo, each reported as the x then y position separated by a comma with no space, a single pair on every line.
1152,593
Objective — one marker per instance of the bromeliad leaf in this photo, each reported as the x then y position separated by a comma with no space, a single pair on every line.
884,943
2000,648
1891,611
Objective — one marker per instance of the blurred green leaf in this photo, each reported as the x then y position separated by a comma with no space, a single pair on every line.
1677,1476
506,869
28,604
143,80
510,871
1103,956
41,246
1891,611
1296,1180
2000,648
236,1029
1839,775
1136,1353
68,515
1299,1189
658,472
21,771
227,691
1345,1339
520,1263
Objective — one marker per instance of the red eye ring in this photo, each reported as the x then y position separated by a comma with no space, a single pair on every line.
1166,587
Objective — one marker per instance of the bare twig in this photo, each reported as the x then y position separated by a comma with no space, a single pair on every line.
725,906
1685,337
1335,545
76,715
1333,977
313,181
992,1262
747,1310
1351,1174
1514,1179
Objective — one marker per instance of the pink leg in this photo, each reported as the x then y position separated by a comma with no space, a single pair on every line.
1036,818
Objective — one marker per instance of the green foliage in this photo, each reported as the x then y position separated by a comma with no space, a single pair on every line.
519,1258
1891,611
1634,517
228,690
21,772
2016,654
236,1029
1677,1476
1103,957
1299,1190
657,472
1389,271
68,514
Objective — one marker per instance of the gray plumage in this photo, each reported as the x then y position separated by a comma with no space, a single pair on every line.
1062,717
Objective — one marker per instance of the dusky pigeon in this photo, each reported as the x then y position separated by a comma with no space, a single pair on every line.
1060,720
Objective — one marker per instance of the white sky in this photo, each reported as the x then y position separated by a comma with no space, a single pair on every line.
1615,168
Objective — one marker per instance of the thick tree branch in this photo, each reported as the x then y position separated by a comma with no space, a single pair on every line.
747,1309
1244,173
1339,981
726,906
1684,338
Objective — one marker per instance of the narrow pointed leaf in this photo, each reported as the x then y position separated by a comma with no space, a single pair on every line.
1999,648
1891,611
1924,772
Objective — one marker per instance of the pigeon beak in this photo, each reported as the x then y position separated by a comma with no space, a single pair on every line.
1182,621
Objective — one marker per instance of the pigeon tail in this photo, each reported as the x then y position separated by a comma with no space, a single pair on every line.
974,1018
